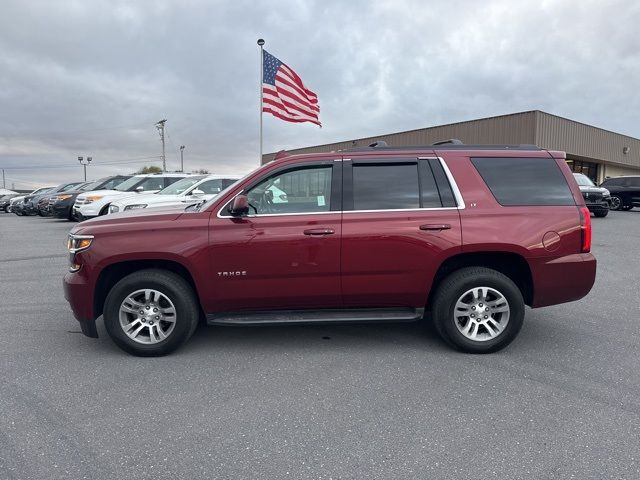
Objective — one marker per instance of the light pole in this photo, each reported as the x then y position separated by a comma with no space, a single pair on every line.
160,127
182,158
81,160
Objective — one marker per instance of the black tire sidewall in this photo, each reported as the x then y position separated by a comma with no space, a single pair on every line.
171,285
459,284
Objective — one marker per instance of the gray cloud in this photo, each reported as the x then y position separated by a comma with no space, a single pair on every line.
91,78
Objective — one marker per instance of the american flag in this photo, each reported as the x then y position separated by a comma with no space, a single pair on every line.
284,95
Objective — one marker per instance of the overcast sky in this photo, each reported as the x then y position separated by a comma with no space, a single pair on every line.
92,77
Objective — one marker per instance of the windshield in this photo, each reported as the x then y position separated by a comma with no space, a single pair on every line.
70,187
206,205
181,185
583,180
127,184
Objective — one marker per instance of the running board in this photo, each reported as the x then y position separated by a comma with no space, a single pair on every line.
288,317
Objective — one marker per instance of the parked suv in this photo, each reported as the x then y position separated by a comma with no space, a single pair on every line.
625,192
596,198
377,234
62,205
95,203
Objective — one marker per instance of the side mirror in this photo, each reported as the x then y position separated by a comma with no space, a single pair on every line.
197,193
239,206
140,189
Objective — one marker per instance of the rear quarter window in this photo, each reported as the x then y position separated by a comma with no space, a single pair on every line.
524,181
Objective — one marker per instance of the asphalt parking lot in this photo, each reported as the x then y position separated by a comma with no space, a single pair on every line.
381,401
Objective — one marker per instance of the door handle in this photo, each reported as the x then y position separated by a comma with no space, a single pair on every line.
435,226
319,231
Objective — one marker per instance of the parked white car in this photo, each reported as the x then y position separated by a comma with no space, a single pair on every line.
92,204
188,191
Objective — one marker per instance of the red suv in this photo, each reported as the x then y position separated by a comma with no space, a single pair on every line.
468,234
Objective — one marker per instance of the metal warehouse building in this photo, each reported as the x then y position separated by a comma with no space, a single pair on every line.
591,150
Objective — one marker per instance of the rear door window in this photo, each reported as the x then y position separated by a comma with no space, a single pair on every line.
385,187
524,181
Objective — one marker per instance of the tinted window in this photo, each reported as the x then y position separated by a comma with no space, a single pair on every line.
304,190
446,194
430,197
211,187
613,182
385,187
152,183
634,182
525,181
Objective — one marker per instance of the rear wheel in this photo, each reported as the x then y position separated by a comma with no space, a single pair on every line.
478,310
151,312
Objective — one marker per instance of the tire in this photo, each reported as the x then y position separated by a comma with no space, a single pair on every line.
455,290
616,202
175,293
601,213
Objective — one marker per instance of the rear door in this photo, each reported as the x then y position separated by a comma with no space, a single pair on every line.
400,221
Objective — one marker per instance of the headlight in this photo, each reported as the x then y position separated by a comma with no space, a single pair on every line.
606,192
62,197
92,198
135,207
77,243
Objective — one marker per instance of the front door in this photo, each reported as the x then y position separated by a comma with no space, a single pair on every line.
400,221
285,254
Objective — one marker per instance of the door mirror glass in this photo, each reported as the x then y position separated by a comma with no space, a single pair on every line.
239,206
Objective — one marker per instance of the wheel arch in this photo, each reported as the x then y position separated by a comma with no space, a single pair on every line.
511,264
114,272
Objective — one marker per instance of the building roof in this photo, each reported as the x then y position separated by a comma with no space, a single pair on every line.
531,127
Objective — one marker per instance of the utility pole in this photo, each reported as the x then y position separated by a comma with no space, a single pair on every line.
84,164
160,127
181,158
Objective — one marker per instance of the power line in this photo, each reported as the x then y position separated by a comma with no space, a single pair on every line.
64,165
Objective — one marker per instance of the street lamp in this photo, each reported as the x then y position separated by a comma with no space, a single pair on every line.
81,160
182,158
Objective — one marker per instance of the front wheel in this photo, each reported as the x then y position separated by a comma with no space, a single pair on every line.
616,202
478,310
151,312
603,212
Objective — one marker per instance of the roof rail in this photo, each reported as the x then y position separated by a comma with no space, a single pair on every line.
446,146
451,141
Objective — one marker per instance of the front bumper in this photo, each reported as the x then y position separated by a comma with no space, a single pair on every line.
563,279
60,210
79,294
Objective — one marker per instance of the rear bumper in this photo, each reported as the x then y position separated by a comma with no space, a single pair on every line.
563,279
79,294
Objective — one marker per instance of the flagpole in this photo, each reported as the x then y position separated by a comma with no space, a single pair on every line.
261,43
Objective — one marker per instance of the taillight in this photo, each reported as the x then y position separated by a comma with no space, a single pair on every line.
585,227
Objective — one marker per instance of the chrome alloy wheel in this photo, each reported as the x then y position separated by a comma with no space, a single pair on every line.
147,316
481,314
